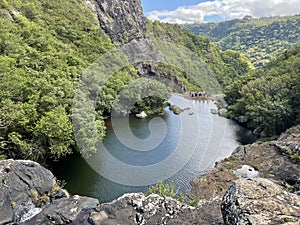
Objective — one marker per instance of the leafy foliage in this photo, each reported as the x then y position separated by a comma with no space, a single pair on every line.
225,66
44,47
269,97
259,39
167,190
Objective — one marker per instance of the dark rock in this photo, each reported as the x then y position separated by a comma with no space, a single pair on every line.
63,211
176,110
21,182
60,194
6,212
259,201
242,119
149,70
123,21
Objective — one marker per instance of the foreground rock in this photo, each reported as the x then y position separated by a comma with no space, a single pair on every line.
267,160
132,209
22,183
63,211
29,194
260,201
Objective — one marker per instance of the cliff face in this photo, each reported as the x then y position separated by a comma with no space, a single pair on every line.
123,20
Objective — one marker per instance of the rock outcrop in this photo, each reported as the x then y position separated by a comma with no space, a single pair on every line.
29,194
260,201
63,211
123,21
266,160
136,208
22,184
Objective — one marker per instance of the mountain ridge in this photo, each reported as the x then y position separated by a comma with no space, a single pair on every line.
259,39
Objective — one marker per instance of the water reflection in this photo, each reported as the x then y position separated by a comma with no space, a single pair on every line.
217,138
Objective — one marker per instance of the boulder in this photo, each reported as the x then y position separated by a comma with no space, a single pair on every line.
222,112
214,111
242,119
259,201
22,183
176,110
247,172
63,211
141,115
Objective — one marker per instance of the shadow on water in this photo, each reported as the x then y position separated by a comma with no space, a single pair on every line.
82,179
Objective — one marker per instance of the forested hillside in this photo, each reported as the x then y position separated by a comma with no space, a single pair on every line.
226,66
268,99
259,39
45,46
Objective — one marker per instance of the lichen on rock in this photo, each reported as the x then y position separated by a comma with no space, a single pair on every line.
259,201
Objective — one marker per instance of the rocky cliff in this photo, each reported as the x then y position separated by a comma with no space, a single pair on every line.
260,201
123,21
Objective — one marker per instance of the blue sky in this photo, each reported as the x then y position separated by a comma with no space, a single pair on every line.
151,5
190,11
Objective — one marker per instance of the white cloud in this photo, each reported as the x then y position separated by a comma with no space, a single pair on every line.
227,9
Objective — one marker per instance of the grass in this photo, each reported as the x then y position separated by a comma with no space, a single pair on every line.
35,195
219,188
228,166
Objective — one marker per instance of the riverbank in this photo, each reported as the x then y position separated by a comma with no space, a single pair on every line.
276,160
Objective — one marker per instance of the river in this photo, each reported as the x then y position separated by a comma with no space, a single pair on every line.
181,147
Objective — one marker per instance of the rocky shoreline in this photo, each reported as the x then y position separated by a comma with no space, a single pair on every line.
271,160
258,184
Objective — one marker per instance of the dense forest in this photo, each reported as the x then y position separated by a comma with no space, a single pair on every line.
45,46
268,99
259,39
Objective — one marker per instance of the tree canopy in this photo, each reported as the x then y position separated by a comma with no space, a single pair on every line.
269,97
258,39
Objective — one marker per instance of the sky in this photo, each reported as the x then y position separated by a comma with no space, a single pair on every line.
190,11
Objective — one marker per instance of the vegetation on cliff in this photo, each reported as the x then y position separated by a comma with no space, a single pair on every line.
44,47
268,99
259,39
225,66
